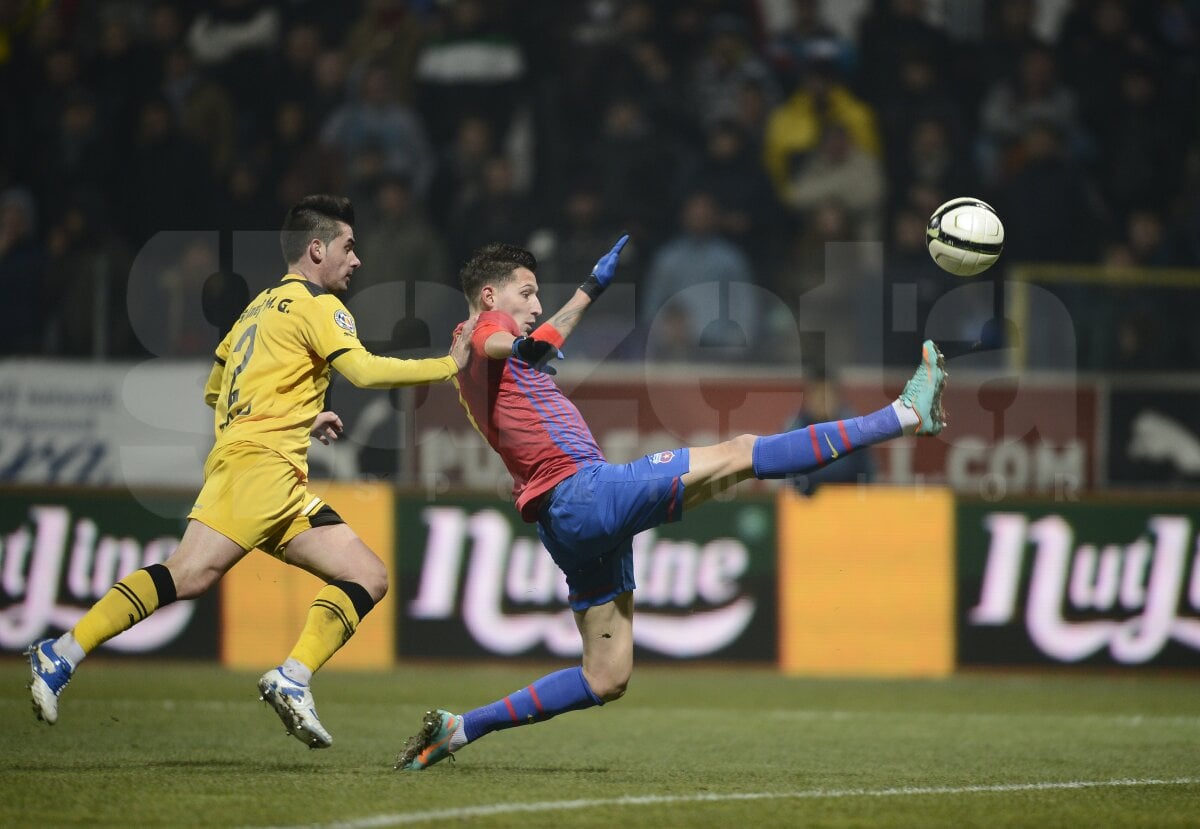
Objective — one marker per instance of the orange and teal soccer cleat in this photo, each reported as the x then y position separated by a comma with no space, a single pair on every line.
432,743
923,393
294,704
50,673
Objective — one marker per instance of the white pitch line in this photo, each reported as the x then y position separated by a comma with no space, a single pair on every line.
468,812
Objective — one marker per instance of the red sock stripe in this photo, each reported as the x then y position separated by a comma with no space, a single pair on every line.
812,433
845,437
512,712
536,702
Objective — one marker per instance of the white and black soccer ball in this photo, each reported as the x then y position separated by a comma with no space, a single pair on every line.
965,236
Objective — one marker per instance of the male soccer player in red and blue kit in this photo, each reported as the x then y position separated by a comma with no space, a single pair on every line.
587,509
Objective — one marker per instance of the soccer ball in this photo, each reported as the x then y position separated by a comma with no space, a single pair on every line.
965,236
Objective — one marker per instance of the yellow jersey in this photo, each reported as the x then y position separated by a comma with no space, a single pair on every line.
271,372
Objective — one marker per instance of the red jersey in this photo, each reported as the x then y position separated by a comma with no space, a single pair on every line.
521,413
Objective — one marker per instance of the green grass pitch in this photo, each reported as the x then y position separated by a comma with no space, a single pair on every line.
172,744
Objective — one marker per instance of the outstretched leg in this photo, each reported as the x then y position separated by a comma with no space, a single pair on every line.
356,580
607,633
918,411
202,557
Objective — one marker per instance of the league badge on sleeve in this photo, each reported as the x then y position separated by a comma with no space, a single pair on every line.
344,320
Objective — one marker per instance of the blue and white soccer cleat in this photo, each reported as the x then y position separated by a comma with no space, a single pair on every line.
50,673
432,743
294,704
923,393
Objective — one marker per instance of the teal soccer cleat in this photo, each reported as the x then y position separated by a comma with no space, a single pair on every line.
50,673
294,704
923,393
432,743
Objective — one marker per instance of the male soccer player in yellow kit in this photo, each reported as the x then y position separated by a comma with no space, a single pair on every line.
267,388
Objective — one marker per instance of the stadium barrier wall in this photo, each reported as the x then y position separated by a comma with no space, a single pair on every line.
1105,581
63,549
1054,434
474,581
876,581
264,602
866,582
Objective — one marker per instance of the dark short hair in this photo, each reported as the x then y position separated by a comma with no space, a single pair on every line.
313,217
493,265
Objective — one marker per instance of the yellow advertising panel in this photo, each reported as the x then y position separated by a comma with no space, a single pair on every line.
264,602
867,582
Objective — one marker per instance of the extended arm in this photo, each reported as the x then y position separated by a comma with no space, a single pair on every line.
544,343
370,371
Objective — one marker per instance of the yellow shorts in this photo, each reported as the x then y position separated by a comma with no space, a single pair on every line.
257,498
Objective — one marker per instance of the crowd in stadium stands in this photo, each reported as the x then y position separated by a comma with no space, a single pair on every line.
731,150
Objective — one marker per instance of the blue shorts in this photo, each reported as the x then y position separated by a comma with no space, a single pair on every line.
589,521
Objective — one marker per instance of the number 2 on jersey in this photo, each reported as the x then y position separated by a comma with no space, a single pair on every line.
245,341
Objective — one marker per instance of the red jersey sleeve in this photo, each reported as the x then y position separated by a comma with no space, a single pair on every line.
489,323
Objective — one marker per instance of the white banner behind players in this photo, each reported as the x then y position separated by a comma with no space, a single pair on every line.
104,424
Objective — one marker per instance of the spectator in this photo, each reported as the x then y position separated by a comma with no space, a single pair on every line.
787,49
293,74
731,170
22,272
459,178
82,155
840,172
1034,95
400,250
471,66
1051,210
1007,34
1097,42
501,212
87,275
376,120
330,85
1143,145
728,63
920,96
889,31
637,164
566,253
389,33
820,278
700,289
169,183
201,107
236,40
931,160
795,127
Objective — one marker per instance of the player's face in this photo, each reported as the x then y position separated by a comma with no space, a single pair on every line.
339,261
518,297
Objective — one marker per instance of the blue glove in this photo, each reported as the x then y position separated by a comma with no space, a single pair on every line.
536,354
604,271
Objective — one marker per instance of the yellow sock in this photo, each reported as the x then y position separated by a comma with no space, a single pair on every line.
332,619
126,603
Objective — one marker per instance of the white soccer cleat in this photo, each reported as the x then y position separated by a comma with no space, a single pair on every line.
294,704
49,674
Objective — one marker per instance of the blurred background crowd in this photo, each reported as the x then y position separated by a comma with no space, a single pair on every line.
734,139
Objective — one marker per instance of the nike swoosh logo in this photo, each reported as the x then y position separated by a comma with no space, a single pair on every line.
831,449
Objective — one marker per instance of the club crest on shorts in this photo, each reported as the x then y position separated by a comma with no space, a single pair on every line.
344,320
662,457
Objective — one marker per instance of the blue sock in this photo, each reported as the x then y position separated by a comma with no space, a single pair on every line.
564,690
803,450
